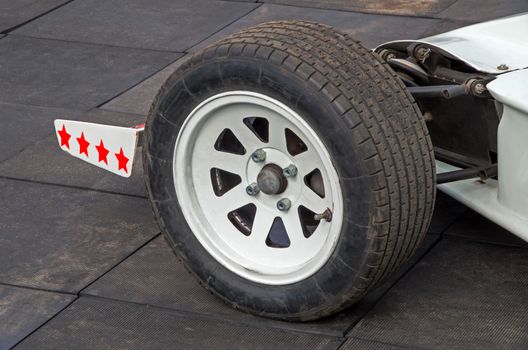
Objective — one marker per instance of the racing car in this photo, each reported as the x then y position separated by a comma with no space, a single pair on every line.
292,170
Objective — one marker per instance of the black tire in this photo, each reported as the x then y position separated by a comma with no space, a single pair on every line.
370,125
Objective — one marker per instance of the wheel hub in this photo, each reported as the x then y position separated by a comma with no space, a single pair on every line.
271,180
239,140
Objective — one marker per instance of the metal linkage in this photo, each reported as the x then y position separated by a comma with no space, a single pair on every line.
482,173
444,91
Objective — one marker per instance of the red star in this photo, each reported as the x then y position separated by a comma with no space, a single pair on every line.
83,144
64,137
103,152
122,161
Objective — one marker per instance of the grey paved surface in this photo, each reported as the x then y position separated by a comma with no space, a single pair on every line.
82,264
22,310
16,13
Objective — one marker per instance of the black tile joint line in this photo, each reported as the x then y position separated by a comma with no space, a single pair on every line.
36,17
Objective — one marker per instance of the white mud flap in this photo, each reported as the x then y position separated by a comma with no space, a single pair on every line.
109,147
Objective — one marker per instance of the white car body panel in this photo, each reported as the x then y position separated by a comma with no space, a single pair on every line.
483,197
106,144
505,201
484,46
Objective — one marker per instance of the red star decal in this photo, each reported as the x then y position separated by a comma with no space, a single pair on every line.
83,144
64,137
103,152
122,161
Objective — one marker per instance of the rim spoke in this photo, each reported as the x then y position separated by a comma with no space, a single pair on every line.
247,138
262,225
234,163
292,223
277,137
306,162
232,199
312,201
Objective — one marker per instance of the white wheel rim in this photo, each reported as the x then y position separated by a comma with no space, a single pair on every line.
255,256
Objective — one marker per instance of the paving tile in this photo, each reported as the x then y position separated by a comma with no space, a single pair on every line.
475,227
23,310
167,25
355,343
97,323
138,99
61,239
396,7
14,13
44,161
371,29
154,276
24,125
55,73
446,211
462,295
483,10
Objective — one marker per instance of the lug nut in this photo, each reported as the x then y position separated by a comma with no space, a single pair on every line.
284,204
290,171
325,215
258,156
252,189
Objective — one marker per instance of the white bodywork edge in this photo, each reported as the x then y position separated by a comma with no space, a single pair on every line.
109,147
486,47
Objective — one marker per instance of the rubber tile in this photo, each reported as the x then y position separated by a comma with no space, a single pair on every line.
396,7
15,13
371,29
23,126
446,211
355,344
138,99
462,295
166,25
483,10
475,227
154,276
44,160
62,239
53,73
97,323
24,310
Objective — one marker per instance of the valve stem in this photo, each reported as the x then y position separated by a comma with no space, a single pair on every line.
325,215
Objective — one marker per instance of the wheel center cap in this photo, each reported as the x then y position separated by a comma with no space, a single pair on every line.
271,180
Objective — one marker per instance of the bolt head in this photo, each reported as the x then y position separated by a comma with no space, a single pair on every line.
284,204
252,189
480,88
290,171
258,156
503,67
422,53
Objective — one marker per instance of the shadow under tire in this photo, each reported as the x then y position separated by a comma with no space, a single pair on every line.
358,141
